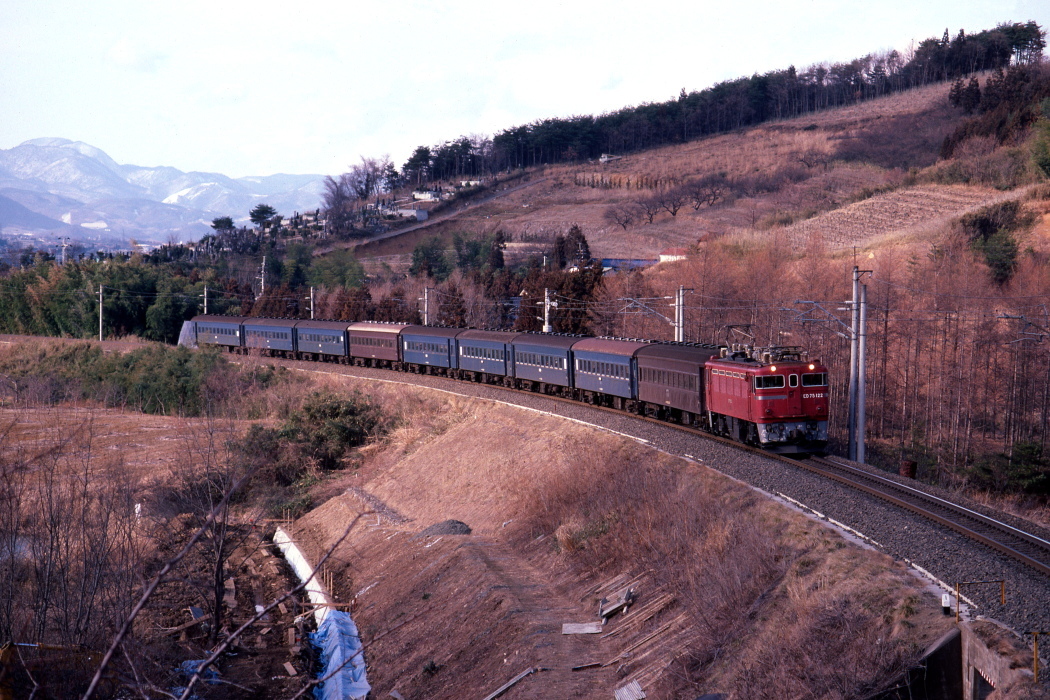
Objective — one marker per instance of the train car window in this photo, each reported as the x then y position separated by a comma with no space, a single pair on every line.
815,379
772,381
793,380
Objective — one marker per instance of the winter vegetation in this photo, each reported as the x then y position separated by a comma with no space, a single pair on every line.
103,508
927,171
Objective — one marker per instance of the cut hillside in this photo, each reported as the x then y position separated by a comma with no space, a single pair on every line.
735,593
783,172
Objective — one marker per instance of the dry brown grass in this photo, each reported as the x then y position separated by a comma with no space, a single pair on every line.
897,131
562,508
913,212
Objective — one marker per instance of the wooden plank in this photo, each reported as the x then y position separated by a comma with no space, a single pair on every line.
584,667
645,613
290,669
581,628
186,625
509,684
621,601
649,637
631,691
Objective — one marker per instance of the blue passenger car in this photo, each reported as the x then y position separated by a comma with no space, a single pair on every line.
607,366
270,335
544,358
429,346
322,338
486,352
218,330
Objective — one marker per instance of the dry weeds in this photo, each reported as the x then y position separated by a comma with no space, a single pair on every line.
558,509
914,212
563,194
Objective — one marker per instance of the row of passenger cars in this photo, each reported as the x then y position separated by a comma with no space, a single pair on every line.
773,397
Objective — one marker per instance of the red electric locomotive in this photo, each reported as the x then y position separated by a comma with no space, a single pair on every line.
772,397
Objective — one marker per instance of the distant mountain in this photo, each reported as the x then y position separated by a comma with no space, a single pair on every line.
14,214
72,187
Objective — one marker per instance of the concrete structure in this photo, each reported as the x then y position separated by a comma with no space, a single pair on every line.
672,254
417,214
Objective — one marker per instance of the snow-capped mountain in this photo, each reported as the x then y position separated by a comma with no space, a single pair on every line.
82,190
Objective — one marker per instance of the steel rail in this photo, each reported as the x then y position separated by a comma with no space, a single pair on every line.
838,472
843,473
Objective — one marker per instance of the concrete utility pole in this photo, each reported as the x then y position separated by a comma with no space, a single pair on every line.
547,304
262,278
311,303
679,315
205,300
100,312
851,421
426,306
857,367
862,371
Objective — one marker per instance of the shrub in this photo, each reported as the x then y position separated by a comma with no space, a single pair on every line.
1025,470
328,426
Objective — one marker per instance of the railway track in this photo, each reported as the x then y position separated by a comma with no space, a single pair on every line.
1029,549
1025,547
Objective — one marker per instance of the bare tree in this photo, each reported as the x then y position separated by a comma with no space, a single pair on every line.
811,158
68,548
649,207
622,214
672,199
708,190
367,178
338,192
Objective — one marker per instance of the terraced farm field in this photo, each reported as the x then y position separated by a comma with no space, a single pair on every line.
895,215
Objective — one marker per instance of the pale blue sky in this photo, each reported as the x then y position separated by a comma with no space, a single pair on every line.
255,88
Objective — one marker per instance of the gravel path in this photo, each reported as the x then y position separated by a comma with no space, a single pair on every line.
944,554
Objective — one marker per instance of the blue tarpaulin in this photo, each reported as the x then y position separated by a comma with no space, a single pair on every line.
342,659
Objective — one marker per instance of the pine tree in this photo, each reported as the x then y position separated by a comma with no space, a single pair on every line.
576,245
453,311
971,96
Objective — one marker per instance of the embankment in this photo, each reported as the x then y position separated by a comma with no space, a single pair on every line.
736,594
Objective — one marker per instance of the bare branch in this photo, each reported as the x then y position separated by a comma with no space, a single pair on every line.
221,648
144,598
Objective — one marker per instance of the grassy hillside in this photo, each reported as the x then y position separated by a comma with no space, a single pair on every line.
736,594
955,239
797,168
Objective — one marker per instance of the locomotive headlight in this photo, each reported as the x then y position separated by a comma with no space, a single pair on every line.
773,368
812,366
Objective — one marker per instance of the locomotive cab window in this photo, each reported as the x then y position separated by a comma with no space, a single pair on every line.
772,381
815,379
793,380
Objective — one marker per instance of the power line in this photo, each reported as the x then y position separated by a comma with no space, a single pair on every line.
956,296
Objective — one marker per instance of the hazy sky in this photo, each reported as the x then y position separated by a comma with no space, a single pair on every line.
255,88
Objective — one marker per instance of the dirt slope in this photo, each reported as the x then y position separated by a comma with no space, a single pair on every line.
447,616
